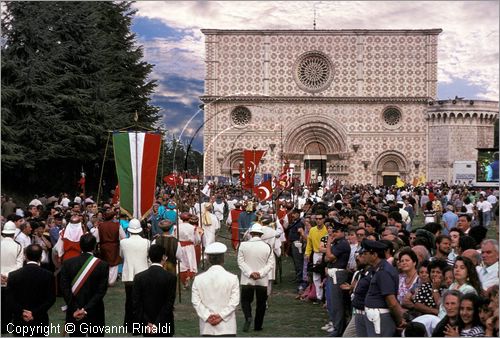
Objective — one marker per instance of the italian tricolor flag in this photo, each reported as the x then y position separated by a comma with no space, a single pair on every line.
136,158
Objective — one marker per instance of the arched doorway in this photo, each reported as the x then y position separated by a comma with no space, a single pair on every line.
314,163
389,166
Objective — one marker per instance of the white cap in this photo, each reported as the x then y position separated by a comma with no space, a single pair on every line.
256,228
134,226
9,228
215,248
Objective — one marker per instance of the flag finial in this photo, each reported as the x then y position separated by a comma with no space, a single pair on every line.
136,116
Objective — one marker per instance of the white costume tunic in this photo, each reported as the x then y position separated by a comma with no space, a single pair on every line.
219,210
187,234
210,224
216,291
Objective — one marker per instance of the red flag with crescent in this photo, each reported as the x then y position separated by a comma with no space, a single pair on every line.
284,180
173,180
264,191
252,159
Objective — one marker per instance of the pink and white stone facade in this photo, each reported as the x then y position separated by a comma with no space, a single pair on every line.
356,99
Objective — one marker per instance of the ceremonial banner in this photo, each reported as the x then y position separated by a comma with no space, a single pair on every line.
264,191
252,159
173,180
136,158
399,182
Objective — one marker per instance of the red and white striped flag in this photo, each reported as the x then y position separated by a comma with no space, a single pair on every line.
136,158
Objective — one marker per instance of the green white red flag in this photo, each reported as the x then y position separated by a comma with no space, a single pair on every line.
136,158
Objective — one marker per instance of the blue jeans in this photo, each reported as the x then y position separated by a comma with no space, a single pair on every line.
328,292
486,219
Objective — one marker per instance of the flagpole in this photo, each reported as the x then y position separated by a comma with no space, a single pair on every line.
178,241
136,206
102,168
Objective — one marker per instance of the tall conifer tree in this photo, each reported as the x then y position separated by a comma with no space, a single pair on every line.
71,71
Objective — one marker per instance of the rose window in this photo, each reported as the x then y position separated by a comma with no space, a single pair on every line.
313,72
392,116
241,116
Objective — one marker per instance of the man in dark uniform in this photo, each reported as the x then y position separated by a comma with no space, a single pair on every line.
84,282
31,301
382,310
155,310
338,251
296,247
359,286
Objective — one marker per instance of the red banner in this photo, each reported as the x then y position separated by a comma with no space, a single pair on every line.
285,178
252,159
173,180
264,191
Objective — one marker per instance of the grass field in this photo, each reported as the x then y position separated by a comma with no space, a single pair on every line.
286,316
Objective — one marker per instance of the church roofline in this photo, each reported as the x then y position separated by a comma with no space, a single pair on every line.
432,31
243,98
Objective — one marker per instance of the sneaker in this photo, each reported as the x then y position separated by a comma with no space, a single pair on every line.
330,329
327,326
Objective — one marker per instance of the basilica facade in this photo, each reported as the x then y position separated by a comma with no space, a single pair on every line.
356,105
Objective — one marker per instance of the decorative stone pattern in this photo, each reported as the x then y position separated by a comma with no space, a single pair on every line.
374,75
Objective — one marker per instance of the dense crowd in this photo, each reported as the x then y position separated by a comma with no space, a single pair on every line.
357,250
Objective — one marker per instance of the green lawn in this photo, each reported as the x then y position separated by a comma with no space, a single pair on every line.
286,316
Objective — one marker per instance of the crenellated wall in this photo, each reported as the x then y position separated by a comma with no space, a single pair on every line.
456,128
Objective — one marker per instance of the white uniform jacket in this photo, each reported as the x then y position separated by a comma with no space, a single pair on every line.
12,255
134,251
255,256
216,291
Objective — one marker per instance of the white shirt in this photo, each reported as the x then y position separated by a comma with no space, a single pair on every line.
23,239
488,275
492,199
255,256
484,206
216,291
65,201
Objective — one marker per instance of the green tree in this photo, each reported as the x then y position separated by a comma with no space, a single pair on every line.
174,158
71,71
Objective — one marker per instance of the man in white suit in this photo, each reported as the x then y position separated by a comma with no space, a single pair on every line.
12,258
255,260
134,251
215,295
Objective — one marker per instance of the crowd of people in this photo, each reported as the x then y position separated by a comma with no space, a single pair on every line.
357,250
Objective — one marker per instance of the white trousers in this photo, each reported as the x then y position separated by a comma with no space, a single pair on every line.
317,277
113,274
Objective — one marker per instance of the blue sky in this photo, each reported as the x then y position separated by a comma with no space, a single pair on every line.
468,48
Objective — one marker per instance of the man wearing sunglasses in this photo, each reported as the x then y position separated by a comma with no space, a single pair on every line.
314,254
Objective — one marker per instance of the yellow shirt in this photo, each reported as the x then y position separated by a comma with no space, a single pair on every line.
314,239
